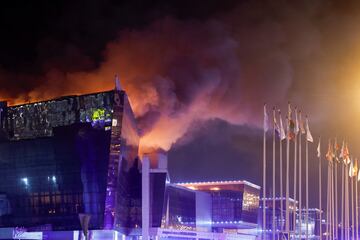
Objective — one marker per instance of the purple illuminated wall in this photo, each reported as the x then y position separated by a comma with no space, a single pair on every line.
114,159
123,150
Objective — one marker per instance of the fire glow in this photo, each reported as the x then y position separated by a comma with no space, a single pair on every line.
172,84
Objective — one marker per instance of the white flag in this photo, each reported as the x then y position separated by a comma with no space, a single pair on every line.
301,123
266,120
351,171
276,125
309,137
318,149
282,130
297,127
342,150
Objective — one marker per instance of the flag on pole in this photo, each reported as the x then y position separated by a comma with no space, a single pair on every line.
346,154
282,131
341,155
301,123
336,151
330,154
318,149
309,137
291,131
355,168
291,124
297,127
266,119
358,175
351,169
276,125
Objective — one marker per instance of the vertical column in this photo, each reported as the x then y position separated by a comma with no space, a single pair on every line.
145,200
114,162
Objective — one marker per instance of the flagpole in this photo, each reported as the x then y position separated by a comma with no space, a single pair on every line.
273,181
264,174
319,153
295,175
328,204
329,196
342,200
332,200
287,226
281,175
356,203
347,202
352,207
300,189
281,189
336,200
307,187
348,205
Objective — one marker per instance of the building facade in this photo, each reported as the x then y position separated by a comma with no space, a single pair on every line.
234,204
67,156
79,154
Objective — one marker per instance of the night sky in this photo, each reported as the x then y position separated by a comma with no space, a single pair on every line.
197,72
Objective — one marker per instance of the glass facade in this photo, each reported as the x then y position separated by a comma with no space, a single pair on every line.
38,119
250,204
157,198
232,201
226,206
181,208
279,222
51,180
66,156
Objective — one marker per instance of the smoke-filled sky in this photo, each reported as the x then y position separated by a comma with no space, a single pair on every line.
197,72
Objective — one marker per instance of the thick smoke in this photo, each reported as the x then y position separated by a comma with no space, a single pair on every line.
178,73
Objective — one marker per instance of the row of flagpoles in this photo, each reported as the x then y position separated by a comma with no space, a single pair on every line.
350,175
349,172
294,130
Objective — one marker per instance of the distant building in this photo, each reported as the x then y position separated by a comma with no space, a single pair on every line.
234,204
314,222
297,229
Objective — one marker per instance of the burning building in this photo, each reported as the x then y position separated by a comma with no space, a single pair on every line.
79,155
66,156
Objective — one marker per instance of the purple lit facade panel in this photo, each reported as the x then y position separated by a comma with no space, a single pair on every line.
123,150
114,158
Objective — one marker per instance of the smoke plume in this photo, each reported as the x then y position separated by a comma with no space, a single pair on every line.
179,73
